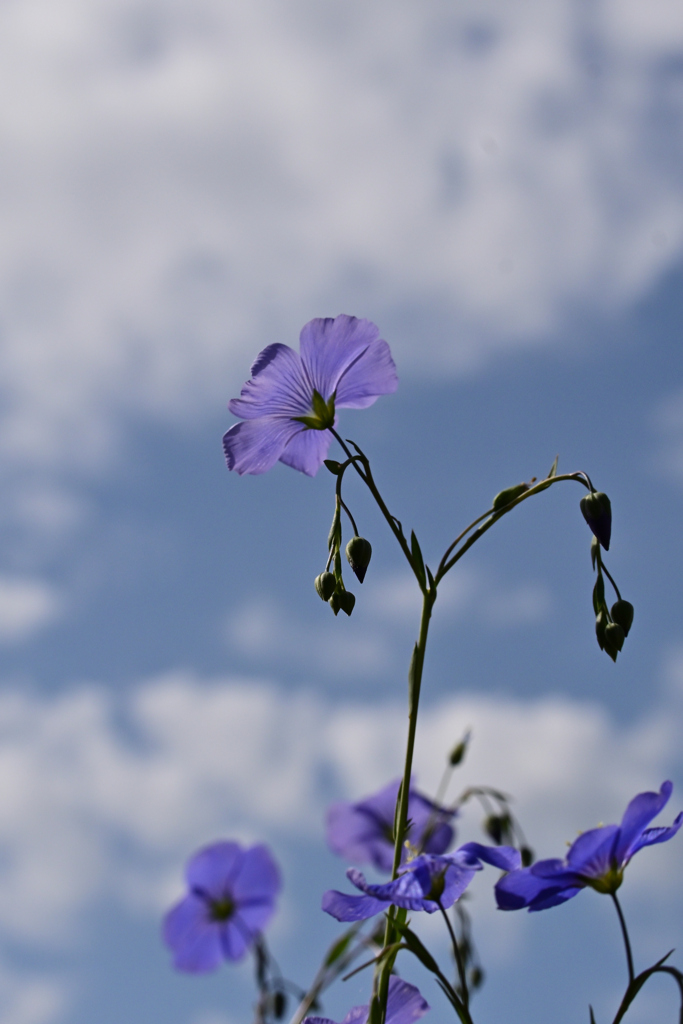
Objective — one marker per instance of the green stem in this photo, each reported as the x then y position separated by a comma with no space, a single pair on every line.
627,941
414,684
458,959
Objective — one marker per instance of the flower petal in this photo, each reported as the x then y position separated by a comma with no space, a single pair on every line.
638,815
306,450
405,1003
372,374
592,854
524,888
213,869
192,936
351,908
258,878
330,346
278,386
656,835
254,446
235,938
507,858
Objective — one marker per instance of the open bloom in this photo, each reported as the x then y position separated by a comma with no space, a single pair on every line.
364,832
430,882
596,859
289,404
231,899
404,1005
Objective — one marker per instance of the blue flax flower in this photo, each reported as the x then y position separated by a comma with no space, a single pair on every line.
231,899
596,859
404,1005
430,882
289,404
364,832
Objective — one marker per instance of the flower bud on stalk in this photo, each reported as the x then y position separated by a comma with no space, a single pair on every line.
359,553
622,614
597,511
613,639
325,584
346,601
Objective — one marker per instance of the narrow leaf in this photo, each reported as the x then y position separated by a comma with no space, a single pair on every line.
418,560
551,474
418,949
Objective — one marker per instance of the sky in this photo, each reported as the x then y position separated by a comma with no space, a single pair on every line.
499,187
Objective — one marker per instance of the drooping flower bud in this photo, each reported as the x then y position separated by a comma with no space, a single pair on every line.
613,639
504,498
497,827
324,585
597,511
527,855
459,750
346,601
601,622
334,602
476,977
359,553
622,614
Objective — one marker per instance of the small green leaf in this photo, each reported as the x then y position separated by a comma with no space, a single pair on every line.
418,949
333,466
418,560
503,498
339,948
551,474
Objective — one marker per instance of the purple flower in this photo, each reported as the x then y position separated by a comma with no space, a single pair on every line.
289,404
364,832
404,1005
429,882
231,899
597,858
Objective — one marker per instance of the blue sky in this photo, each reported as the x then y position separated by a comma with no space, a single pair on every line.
499,187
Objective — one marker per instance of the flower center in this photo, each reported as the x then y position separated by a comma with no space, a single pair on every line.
609,882
438,886
221,910
322,415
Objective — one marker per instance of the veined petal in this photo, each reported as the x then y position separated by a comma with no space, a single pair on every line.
638,815
351,908
254,446
329,347
507,858
278,386
214,868
592,854
553,898
405,1003
306,450
372,374
194,939
656,835
258,878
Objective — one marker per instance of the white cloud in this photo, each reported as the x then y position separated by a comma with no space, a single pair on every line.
26,605
183,182
125,790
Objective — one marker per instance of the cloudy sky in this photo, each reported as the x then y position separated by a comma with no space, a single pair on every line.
499,186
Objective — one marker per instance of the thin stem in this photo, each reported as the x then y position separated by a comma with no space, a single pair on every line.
366,476
447,563
458,957
414,684
627,941
353,521
609,577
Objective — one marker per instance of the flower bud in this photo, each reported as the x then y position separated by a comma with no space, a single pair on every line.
279,1005
497,827
346,601
622,614
333,466
527,855
597,511
334,602
613,639
359,553
476,977
325,584
459,750
504,498
601,622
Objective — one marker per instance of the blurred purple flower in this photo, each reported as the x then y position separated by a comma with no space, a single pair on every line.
231,899
404,1005
364,832
596,859
289,404
429,882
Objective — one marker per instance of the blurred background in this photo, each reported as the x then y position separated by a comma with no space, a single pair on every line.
498,186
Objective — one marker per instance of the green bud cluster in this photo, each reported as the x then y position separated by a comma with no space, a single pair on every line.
329,585
612,625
